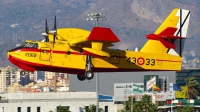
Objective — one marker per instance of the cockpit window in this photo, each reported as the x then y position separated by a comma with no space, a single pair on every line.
29,45
23,44
35,45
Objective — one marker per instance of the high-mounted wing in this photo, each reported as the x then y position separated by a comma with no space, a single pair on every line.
98,37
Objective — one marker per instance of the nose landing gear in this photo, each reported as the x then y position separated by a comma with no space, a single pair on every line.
22,73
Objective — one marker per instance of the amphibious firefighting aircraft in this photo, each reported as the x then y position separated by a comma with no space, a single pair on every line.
81,52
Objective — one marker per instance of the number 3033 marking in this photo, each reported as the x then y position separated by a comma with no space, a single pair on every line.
141,61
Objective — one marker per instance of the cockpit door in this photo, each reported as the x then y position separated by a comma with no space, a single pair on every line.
45,53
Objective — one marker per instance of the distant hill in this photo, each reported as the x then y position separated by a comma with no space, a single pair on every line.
131,20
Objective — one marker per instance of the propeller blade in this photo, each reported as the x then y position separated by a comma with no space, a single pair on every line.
55,27
46,30
46,39
46,27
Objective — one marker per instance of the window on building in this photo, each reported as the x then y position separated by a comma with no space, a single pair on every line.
38,109
86,108
18,109
2,109
106,108
28,109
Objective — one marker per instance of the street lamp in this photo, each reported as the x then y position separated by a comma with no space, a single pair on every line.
96,17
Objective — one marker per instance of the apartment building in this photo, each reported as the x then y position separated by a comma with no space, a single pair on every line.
62,79
8,77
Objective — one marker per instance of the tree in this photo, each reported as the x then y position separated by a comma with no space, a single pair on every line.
92,108
145,105
184,109
128,103
188,109
192,87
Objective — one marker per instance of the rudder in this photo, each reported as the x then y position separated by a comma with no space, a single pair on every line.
168,38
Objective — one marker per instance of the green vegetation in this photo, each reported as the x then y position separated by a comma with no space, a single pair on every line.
192,88
145,105
184,109
61,109
92,108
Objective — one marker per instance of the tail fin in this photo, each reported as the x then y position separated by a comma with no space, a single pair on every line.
169,37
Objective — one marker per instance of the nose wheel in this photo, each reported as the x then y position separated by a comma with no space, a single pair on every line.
22,73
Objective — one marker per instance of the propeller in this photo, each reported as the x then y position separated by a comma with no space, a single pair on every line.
55,29
54,32
47,31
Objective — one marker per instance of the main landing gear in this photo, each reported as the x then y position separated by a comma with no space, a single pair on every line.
88,73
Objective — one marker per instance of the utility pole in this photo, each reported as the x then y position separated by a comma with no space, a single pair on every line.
97,17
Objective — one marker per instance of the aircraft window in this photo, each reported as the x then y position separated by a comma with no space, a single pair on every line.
24,44
35,45
29,45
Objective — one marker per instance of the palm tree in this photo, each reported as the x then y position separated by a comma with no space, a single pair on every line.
137,107
144,105
128,103
146,100
192,87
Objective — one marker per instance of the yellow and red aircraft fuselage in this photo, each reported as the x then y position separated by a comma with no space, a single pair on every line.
67,60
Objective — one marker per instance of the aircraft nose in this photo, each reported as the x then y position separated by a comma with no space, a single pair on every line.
8,54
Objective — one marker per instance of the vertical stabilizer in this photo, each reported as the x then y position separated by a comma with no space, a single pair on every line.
169,37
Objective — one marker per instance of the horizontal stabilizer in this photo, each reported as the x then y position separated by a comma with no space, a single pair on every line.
168,31
167,44
95,53
102,34
172,37
165,36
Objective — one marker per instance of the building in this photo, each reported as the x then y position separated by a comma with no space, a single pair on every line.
44,102
123,90
107,81
62,79
182,75
7,78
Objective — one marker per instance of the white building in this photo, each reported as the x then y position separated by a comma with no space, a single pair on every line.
44,102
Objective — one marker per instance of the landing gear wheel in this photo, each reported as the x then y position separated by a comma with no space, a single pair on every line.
89,74
22,73
81,77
